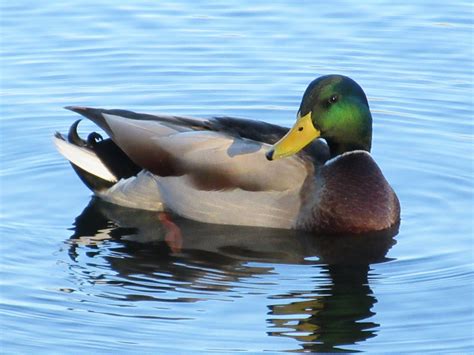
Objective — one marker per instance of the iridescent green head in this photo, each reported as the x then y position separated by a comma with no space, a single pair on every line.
334,107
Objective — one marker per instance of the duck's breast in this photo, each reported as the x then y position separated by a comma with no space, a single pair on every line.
351,195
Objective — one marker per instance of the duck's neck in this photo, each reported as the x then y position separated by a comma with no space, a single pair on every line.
337,148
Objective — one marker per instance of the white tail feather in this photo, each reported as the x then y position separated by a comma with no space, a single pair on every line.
85,159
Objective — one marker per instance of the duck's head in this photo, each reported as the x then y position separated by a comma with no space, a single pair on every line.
334,107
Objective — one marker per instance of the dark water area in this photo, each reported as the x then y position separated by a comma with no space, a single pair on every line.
80,275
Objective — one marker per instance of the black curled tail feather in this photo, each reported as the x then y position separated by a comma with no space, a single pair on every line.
73,137
94,114
117,162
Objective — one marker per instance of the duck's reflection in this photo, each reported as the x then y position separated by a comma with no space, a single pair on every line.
332,316
153,254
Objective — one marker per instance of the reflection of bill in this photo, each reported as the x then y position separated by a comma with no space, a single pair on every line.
329,317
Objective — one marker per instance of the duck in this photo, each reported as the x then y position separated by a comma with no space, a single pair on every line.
317,176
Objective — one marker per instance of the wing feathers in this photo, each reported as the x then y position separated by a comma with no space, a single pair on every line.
211,153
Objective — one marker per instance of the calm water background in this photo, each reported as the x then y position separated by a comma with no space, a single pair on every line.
81,286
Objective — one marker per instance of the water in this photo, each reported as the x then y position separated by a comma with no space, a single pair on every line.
105,280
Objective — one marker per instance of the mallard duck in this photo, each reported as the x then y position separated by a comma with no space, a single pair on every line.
244,172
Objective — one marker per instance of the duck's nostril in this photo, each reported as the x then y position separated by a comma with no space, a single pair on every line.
269,154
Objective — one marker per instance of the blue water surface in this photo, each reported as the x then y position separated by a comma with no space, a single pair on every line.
80,276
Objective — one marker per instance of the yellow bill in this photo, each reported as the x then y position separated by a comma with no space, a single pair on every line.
298,137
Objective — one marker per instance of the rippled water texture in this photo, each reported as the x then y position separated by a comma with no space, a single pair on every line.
81,276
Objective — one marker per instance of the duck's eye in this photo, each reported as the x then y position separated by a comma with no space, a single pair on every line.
333,99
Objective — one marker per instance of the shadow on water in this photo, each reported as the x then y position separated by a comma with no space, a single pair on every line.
153,256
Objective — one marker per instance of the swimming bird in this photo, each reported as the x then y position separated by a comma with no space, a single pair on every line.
317,176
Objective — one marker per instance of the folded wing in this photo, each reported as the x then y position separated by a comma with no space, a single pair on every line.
213,170
211,156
